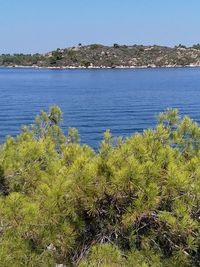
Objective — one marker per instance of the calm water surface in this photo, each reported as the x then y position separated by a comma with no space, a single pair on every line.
124,101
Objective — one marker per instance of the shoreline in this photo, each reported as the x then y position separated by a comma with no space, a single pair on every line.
100,67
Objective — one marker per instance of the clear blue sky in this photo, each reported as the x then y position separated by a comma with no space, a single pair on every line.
31,26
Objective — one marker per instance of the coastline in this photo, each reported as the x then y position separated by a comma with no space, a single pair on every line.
102,67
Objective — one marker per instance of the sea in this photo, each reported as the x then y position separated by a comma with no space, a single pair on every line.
125,101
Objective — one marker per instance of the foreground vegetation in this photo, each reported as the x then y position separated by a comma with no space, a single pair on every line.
97,55
135,202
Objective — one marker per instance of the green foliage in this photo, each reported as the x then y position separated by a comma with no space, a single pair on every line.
104,255
85,63
95,46
134,202
196,46
20,59
55,56
180,46
116,46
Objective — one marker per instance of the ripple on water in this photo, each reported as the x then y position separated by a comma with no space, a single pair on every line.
124,101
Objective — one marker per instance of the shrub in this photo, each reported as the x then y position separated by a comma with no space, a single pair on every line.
85,63
134,202
180,46
196,46
95,46
116,46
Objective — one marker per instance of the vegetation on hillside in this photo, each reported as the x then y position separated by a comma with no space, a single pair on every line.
97,55
134,202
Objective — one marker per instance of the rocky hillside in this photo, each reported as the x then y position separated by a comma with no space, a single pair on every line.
97,55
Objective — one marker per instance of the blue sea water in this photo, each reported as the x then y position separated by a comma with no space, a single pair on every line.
122,100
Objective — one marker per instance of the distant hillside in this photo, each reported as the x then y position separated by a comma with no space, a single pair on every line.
97,55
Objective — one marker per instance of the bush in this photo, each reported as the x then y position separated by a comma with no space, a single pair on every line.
95,46
116,46
85,63
56,55
180,46
134,202
197,46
